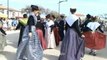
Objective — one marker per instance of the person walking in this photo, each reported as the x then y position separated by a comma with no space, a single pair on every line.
50,38
72,47
94,38
21,25
30,47
2,37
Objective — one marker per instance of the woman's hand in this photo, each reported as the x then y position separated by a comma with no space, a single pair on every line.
83,36
30,34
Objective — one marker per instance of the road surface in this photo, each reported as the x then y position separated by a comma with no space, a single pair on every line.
9,52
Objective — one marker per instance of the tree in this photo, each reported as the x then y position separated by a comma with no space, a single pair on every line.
43,10
27,9
56,14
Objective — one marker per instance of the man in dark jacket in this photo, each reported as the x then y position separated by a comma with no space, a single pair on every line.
22,24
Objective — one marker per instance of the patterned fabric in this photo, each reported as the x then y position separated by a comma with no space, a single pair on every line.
30,47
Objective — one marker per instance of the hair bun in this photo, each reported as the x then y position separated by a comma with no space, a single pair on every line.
31,5
34,7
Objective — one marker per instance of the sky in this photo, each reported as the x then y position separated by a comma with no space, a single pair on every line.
93,7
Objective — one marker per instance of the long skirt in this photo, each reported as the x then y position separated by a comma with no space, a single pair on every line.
72,46
50,38
30,47
57,36
42,39
95,40
2,41
61,33
20,35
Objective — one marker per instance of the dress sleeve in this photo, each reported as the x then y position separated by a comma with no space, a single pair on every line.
66,26
52,26
77,28
18,26
100,29
61,24
30,22
3,31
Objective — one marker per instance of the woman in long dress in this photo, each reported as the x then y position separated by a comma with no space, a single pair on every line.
72,47
2,37
39,31
61,27
30,47
56,33
94,39
84,27
49,32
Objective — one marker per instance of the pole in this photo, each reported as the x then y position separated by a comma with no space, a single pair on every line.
59,7
66,0
7,8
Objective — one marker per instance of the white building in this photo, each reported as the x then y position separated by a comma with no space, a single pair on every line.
13,13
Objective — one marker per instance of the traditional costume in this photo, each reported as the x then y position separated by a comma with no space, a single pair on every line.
61,29
39,27
30,47
84,27
49,34
94,39
72,47
56,33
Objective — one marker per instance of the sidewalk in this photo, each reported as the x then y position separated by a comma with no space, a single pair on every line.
9,52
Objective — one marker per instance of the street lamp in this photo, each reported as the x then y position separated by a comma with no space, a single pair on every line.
59,5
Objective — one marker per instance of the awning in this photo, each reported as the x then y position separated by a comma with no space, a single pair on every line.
6,8
3,15
3,7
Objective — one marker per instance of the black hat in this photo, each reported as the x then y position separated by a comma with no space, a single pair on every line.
24,15
72,10
48,16
34,7
88,16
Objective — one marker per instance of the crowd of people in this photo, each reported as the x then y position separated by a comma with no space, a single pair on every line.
4,26
38,34
9,24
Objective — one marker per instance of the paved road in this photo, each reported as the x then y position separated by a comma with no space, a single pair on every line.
9,52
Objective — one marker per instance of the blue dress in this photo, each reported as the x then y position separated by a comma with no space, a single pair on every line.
72,47
30,47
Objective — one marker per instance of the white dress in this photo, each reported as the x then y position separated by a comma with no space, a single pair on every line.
5,24
50,35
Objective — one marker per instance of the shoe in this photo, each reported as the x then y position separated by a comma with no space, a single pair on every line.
94,54
90,53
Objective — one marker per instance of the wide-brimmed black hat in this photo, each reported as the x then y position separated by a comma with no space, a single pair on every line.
34,7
